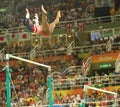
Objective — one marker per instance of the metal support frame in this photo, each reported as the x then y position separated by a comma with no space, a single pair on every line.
8,84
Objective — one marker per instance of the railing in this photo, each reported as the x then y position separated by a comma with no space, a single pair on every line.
47,95
2,54
96,49
91,49
87,21
117,64
33,52
13,30
72,69
109,45
66,84
23,55
75,83
70,47
56,75
108,103
86,66
91,21
53,52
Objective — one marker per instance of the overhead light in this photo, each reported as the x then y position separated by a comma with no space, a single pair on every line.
61,35
36,40
69,36
100,27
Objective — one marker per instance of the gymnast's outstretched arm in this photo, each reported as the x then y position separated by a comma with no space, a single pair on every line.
28,22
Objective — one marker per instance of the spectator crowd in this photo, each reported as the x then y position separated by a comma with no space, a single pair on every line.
29,82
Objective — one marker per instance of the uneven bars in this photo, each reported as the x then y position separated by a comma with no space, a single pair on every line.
86,86
26,60
8,89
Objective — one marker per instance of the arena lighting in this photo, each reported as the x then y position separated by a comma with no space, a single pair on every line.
36,40
100,27
3,9
69,36
61,35
8,78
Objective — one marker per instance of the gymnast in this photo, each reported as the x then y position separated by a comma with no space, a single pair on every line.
45,28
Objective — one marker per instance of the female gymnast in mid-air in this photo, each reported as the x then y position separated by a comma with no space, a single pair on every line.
45,28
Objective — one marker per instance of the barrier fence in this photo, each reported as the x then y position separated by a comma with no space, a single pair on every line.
87,104
86,21
91,49
75,83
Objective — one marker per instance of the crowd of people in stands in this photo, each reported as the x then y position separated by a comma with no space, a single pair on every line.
93,98
26,77
70,10
45,49
29,82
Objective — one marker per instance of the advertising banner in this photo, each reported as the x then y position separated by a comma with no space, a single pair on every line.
104,58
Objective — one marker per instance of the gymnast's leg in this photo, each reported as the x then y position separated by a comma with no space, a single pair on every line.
55,22
45,25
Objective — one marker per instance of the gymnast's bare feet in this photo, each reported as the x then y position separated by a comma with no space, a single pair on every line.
42,8
59,14
27,10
